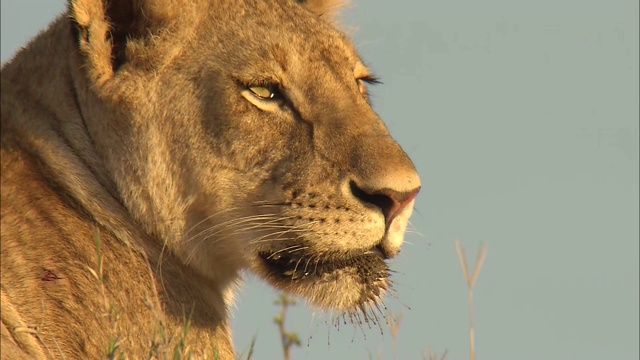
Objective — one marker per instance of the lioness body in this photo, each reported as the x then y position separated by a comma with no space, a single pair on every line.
144,166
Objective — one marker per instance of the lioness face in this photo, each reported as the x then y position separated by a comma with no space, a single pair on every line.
271,156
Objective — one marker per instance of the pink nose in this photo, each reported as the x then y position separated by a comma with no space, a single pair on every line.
399,203
390,201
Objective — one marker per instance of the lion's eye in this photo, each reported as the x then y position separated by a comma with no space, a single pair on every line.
265,92
264,95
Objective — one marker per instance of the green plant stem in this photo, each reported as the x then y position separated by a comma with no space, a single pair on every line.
284,338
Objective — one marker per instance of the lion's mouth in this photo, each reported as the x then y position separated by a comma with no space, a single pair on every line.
370,265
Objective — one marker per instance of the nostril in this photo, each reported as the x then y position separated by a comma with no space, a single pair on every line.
382,201
391,202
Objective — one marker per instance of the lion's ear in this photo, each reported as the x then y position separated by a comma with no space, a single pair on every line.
326,9
103,28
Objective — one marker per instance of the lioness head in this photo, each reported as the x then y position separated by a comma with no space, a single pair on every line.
247,140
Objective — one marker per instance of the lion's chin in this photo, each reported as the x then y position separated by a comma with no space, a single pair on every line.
343,283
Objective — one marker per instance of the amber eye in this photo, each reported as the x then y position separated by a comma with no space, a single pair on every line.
269,92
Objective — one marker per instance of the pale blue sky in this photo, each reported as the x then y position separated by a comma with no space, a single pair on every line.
522,119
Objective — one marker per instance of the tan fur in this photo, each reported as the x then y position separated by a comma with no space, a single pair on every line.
141,173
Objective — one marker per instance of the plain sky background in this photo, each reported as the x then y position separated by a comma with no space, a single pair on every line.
522,119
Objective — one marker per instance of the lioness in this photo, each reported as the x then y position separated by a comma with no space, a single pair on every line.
151,150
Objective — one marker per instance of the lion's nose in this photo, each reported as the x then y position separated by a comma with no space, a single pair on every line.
390,201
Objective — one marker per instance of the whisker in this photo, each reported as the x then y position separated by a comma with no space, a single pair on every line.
210,216
263,203
283,250
237,221
225,225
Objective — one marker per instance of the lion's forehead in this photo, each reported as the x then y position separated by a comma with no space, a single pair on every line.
275,38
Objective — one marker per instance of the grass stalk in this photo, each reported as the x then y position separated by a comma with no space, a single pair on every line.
471,281
287,338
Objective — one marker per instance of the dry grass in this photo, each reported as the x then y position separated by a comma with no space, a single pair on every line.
471,281
430,355
394,323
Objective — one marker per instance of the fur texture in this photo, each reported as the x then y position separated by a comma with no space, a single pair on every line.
151,150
